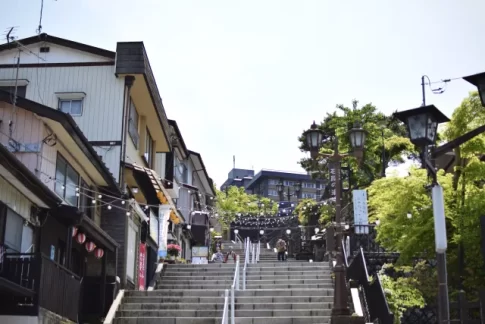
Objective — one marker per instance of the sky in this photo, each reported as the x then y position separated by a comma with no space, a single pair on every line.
245,78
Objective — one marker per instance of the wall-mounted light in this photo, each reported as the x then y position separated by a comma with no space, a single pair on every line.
134,190
189,226
236,231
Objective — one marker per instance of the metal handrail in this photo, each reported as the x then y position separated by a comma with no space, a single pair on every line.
235,286
239,240
253,254
258,251
225,315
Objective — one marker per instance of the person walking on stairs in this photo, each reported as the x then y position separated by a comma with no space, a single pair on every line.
281,248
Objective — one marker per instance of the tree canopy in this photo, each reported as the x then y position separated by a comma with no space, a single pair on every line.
396,144
235,202
391,199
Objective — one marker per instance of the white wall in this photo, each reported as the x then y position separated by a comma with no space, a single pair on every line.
101,119
57,54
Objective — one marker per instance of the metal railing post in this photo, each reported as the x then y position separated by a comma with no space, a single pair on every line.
244,278
233,315
254,254
225,315
237,272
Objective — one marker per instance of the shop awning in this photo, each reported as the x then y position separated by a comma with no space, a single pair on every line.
151,189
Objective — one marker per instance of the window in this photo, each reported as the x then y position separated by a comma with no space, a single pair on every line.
273,182
148,149
74,107
131,255
18,238
309,185
85,200
309,195
67,181
21,90
289,183
133,124
180,171
272,192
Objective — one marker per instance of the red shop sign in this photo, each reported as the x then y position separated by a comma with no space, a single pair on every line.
142,266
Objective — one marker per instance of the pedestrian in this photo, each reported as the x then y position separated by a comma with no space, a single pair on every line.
281,248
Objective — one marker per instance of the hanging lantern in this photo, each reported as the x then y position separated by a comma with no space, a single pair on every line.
81,238
74,231
98,253
90,246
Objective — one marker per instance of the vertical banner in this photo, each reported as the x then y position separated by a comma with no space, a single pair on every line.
142,266
361,215
163,217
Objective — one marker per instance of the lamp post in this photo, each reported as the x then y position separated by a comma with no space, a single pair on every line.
422,124
280,187
314,140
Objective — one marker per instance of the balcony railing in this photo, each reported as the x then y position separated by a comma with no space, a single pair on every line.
55,288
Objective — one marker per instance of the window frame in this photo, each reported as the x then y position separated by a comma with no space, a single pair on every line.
149,146
134,124
64,190
87,194
70,106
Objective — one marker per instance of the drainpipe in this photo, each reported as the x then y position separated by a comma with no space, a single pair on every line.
129,80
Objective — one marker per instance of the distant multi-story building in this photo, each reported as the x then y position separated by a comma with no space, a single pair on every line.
285,186
238,178
280,186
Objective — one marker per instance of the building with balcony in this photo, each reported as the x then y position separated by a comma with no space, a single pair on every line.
195,193
56,262
113,98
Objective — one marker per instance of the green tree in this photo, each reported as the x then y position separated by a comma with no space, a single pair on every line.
235,202
311,212
391,199
396,144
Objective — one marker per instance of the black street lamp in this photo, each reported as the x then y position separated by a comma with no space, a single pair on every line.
280,187
422,124
314,139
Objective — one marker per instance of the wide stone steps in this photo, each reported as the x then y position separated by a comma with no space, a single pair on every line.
291,292
285,293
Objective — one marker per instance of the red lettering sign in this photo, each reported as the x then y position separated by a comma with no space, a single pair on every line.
142,266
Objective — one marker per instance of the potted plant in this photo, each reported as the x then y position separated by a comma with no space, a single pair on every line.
173,250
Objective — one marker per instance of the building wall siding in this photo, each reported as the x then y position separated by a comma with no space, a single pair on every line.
56,54
14,199
29,129
103,100
111,158
102,103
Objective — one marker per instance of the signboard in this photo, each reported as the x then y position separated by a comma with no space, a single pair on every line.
200,251
361,214
142,266
333,182
163,217
154,226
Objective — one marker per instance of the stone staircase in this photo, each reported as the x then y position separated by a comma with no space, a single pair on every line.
185,294
292,292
